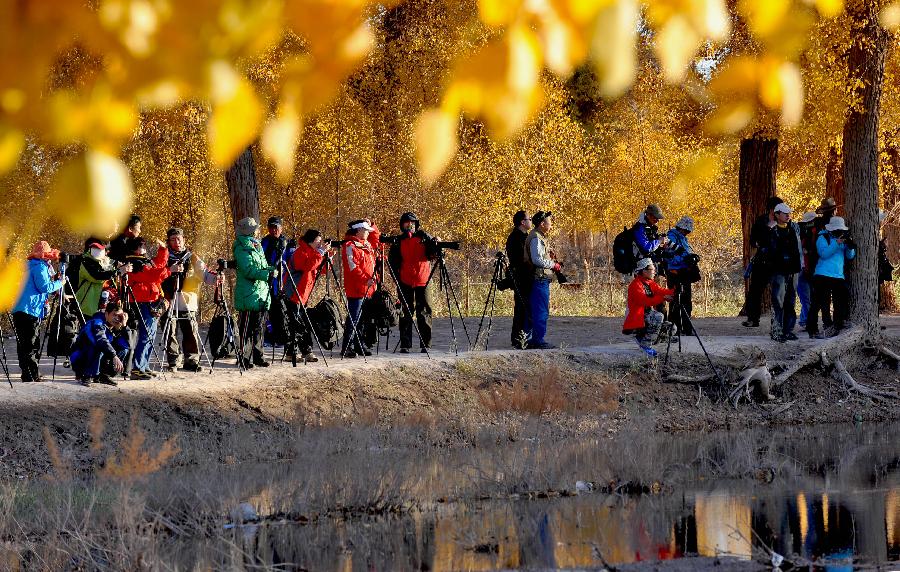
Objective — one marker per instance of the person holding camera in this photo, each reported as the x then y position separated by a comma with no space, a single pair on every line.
277,249
118,247
642,319
835,247
304,266
410,257
32,305
647,240
145,281
95,270
785,262
541,260
252,292
682,271
182,290
522,278
101,348
358,261
758,272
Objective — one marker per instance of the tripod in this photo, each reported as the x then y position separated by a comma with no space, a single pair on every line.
309,324
221,301
172,319
686,319
501,267
446,285
405,304
60,308
135,307
354,331
4,361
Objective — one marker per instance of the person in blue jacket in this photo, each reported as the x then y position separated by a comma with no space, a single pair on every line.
102,347
32,307
647,239
681,271
834,247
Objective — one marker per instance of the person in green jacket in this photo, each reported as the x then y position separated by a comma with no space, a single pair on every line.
95,271
251,292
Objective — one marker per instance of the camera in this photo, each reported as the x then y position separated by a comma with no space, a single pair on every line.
63,257
389,239
560,277
336,243
222,265
442,244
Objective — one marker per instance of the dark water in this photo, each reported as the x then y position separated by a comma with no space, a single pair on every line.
829,497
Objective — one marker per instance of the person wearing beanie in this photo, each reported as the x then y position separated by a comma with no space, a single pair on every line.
410,258
835,249
647,240
31,307
522,277
785,262
540,258
642,320
681,272
758,273
252,295
358,256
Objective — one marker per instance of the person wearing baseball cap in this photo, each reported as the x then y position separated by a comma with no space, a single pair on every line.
540,258
785,264
835,248
647,239
358,261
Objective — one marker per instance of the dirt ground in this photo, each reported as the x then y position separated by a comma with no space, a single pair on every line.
605,382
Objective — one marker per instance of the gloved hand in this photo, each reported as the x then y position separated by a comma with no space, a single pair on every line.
557,267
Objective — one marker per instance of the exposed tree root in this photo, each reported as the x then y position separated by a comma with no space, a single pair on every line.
675,378
890,354
743,386
840,373
813,355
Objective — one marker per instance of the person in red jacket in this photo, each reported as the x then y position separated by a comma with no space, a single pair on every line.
642,320
145,282
358,260
304,266
410,258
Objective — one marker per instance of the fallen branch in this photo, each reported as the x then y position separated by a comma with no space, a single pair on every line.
841,374
814,354
674,378
890,354
749,375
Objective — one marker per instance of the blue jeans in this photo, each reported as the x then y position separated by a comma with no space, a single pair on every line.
539,309
146,336
803,293
784,300
354,305
87,362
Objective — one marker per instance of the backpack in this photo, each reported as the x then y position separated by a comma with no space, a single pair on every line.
623,252
381,310
219,344
68,331
326,322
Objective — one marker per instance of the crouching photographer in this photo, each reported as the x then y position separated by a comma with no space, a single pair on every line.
682,270
102,347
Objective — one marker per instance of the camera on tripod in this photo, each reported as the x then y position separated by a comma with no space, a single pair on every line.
222,265
388,239
442,244
64,257
336,243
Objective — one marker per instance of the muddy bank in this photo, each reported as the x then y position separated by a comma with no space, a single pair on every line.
228,418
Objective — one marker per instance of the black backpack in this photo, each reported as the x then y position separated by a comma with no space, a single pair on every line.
623,251
326,322
219,344
381,310
68,331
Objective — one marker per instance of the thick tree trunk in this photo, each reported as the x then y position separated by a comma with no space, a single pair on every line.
860,151
243,191
834,178
890,195
756,183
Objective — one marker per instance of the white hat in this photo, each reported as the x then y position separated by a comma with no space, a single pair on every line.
808,216
836,223
783,208
361,225
642,264
685,223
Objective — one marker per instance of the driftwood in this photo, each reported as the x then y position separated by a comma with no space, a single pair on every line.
813,355
759,374
675,378
841,374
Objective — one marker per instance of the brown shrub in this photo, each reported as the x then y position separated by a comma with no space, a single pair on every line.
531,395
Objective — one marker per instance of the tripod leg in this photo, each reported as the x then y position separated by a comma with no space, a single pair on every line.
452,292
486,302
405,304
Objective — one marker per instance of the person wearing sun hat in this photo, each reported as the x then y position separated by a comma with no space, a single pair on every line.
31,307
785,264
835,248
642,320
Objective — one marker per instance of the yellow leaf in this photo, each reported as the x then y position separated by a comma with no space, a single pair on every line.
730,117
498,12
524,60
12,279
11,144
764,16
91,193
711,18
740,75
436,143
830,8
236,114
279,141
613,46
675,46
890,16
792,93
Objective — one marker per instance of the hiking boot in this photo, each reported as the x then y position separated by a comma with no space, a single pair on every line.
138,375
831,332
791,337
750,323
245,363
366,352
192,366
349,354
779,338
650,352
260,363
404,350
816,336
424,350
85,381
106,380
542,346
308,357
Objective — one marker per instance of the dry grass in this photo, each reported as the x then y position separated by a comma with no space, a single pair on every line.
543,393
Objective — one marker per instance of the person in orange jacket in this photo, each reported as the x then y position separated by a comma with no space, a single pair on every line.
642,320
145,282
410,258
304,266
358,260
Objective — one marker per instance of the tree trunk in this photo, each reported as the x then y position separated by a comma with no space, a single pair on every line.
756,183
860,151
890,195
834,178
243,191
